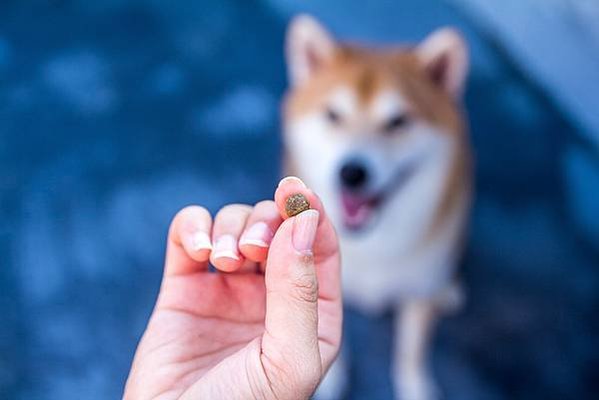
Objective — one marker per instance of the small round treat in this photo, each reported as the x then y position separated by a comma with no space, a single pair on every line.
295,204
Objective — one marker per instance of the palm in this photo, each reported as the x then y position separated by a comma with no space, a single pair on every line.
203,318
200,320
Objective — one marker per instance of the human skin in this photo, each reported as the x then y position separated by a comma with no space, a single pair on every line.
265,325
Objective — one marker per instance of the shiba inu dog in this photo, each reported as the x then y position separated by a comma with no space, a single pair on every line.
379,134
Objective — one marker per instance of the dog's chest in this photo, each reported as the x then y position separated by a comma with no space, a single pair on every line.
410,252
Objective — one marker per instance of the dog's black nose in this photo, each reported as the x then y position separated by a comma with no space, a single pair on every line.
353,175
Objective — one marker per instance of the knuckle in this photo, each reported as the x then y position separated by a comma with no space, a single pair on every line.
263,204
305,288
232,216
266,210
187,215
233,209
192,210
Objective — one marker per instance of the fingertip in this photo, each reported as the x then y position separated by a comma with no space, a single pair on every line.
226,256
290,186
255,251
259,231
226,262
197,245
292,179
188,244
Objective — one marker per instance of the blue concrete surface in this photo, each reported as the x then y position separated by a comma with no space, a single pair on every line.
115,114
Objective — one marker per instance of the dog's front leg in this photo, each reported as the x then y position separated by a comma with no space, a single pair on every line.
413,327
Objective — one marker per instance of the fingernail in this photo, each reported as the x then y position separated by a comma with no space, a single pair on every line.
292,178
226,246
304,230
200,241
258,234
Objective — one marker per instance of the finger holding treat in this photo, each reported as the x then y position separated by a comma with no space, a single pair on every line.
293,197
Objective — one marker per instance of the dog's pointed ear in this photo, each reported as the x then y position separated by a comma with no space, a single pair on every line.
308,47
444,56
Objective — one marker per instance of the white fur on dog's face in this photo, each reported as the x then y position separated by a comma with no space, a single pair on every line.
320,146
360,124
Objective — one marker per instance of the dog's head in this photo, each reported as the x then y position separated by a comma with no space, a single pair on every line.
361,121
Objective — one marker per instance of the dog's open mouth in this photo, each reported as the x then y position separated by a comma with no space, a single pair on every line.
358,209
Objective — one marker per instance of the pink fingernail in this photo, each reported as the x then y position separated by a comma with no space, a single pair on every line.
292,178
200,241
226,246
304,230
258,234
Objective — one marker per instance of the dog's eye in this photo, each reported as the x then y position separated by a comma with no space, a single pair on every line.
396,122
333,116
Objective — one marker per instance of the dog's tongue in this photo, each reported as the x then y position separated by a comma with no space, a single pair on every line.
356,210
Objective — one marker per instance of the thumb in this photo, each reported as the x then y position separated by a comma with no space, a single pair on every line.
290,341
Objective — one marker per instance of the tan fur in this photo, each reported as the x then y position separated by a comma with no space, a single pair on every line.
368,72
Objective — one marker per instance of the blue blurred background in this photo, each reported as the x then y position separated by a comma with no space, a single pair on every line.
115,114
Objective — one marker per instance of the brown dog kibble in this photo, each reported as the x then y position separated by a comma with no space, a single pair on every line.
295,204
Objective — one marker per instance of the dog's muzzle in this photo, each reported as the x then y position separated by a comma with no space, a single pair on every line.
353,176
358,201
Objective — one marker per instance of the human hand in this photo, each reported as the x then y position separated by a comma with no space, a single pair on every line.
266,325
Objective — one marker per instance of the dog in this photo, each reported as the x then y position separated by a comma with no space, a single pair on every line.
380,135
